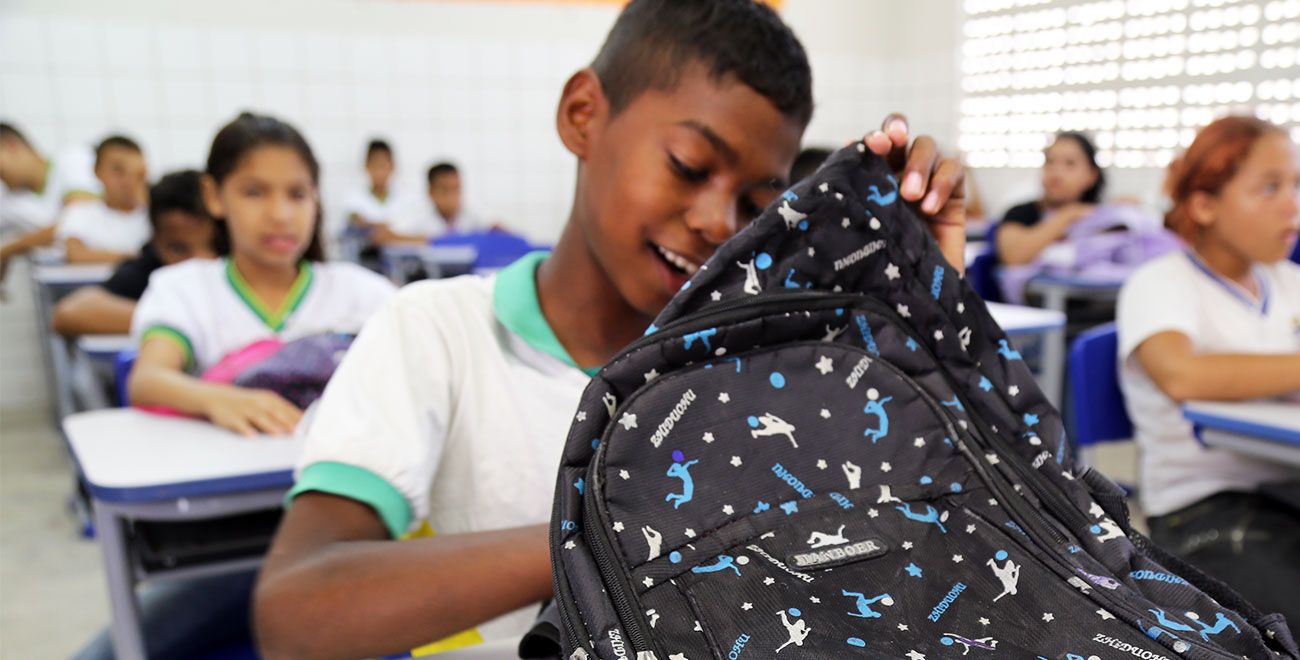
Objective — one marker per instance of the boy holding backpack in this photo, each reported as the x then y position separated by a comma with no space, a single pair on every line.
450,411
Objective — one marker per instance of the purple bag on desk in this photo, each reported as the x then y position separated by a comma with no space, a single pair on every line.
1108,244
299,370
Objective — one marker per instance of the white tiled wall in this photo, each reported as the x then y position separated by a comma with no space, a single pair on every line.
473,81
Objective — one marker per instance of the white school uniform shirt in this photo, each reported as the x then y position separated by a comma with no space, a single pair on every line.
449,415
364,203
71,170
206,307
1178,292
102,228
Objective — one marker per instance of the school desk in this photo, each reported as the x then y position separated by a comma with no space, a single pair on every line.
1264,429
144,467
49,284
437,260
1056,292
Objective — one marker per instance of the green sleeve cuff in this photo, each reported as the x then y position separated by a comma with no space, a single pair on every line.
357,484
173,335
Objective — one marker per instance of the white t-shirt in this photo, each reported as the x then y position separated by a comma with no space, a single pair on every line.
72,170
207,307
373,209
451,409
102,228
1178,293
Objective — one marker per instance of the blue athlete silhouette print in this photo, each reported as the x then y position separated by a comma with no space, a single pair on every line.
887,198
876,406
863,604
931,515
681,470
724,562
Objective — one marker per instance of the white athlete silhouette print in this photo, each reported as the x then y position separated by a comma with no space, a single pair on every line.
832,333
886,497
751,277
864,604
1008,574
772,425
853,473
654,539
611,404
987,643
822,539
798,630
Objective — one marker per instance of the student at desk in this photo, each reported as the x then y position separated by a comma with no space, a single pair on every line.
1220,321
450,412
181,230
260,186
113,228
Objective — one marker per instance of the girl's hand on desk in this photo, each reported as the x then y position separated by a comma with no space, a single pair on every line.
249,412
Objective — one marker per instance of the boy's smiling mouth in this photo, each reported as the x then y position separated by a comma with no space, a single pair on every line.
677,261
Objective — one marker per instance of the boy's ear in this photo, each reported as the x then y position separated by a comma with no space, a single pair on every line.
582,111
1201,207
211,201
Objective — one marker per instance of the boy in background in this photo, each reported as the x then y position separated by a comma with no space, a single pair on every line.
115,227
181,230
444,194
450,412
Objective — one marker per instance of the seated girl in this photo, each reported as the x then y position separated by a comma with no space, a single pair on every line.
1220,321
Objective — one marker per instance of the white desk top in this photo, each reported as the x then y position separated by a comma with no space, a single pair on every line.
975,249
72,274
1269,420
128,455
447,253
1023,320
104,345
1075,283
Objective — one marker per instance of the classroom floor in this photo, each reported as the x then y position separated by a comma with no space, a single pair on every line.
52,592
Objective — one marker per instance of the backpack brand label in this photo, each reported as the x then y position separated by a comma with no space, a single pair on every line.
839,555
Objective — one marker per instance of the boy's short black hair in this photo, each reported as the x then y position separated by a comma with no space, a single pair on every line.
654,40
10,132
176,191
115,141
440,169
807,162
377,145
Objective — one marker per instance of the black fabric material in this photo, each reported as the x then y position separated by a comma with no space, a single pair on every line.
132,276
825,447
1027,214
1251,541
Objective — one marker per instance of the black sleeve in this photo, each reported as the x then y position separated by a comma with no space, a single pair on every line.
1026,214
130,278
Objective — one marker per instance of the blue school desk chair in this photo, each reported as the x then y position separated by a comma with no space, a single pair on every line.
1295,253
982,272
1099,413
496,249
122,364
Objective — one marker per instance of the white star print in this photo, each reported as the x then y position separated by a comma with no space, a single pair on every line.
873,513
825,187
648,582
913,655
991,458
622,474
956,559
961,307
768,581
618,526
844,223
970,529
582,416
993,502
569,545
716,296
708,436
690,533
821,464
919,442
724,397
824,365
1105,616
983,621
1013,390
650,375
811,252
747,606
727,510
891,271
825,413
903,311
907,545
814,599
938,335
1047,616
628,420
902,627
886,467
735,461
839,196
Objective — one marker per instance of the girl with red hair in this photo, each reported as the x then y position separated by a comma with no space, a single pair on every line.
1220,321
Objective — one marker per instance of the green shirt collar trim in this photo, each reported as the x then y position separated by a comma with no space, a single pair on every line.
514,301
273,319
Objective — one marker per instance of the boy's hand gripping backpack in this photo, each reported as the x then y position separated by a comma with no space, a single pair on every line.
825,447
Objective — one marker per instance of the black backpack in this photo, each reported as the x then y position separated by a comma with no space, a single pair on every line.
825,447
